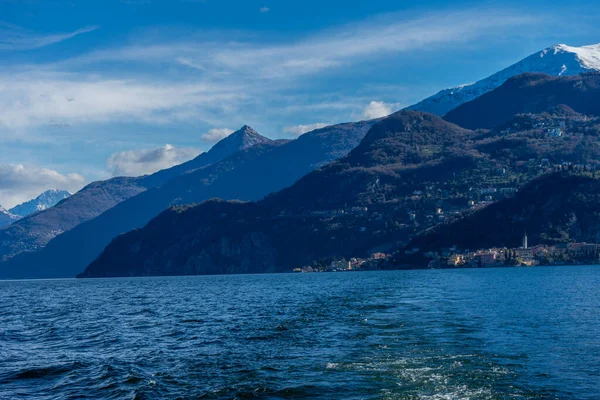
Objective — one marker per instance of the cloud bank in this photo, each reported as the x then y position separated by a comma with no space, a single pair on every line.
19,183
379,109
147,161
216,134
298,130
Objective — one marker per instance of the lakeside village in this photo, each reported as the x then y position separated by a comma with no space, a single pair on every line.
558,254
354,264
539,255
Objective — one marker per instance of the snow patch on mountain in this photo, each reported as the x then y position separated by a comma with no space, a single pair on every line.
44,201
556,60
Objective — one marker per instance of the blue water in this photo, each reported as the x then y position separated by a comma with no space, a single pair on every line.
515,333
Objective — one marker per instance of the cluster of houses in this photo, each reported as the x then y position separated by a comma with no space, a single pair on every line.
353,264
341,211
525,255
553,128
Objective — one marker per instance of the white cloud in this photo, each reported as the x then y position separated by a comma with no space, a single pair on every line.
13,37
216,134
147,161
264,9
19,183
378,109
298,130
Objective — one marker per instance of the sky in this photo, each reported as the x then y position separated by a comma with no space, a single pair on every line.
91,89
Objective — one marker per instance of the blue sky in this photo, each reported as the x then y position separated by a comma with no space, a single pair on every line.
90,89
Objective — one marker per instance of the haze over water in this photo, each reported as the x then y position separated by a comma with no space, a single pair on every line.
525,333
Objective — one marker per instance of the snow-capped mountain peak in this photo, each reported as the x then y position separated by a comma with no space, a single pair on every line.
556,60
44,201
588,56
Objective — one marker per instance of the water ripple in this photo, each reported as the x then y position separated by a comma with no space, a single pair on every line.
492,334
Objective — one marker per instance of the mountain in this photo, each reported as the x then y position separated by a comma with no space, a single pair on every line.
556,208
6,218
530,93
249,174
44,201
559,60
321,215
411,171
35,231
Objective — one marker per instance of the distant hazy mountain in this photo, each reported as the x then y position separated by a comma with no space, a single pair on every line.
6,218
44,201
34,231
249,174
530,93
557,60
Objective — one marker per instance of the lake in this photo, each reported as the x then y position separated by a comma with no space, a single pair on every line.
512,333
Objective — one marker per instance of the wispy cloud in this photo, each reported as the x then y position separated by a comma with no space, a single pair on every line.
13,37
345,45
146,161
388,34
264,9
226,77
19,183
298,130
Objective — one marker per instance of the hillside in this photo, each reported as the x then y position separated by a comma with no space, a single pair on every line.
556,208
249,175
530,93
380,195
35,231
559,60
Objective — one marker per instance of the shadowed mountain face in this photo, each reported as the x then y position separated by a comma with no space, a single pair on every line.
529,93
250,174
556,208
35,231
